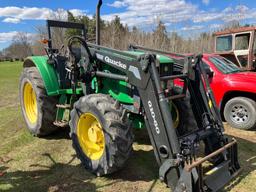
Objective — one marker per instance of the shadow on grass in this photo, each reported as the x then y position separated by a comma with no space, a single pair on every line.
247,160
141,137
60,177
67,177
141,166
57,177
61,133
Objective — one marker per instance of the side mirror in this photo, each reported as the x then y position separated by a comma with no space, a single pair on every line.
209,72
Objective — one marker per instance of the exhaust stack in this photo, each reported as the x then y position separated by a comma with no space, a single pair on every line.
98,22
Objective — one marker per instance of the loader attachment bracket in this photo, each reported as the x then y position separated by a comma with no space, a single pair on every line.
166,167
186,180
193,177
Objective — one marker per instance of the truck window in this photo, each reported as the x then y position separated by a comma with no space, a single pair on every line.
242,41
224,43
224,65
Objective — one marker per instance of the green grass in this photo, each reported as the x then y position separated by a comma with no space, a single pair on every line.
29,164
9,82
12,129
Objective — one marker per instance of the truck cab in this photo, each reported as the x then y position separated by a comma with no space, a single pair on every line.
238,45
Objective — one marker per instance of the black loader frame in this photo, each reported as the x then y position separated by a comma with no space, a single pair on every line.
210,128
181,168
177,155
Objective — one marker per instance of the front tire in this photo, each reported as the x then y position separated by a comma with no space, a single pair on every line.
240,113
38,109
101,134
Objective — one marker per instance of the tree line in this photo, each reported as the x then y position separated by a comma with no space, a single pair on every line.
114,34
19,48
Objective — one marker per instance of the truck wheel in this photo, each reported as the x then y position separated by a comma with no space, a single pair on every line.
38,109
101,134
240,112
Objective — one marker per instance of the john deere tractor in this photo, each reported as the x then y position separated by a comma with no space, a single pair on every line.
102,94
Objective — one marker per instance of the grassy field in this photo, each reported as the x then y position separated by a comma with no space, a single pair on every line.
31,164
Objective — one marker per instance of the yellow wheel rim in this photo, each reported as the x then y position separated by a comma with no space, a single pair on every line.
90,136
30,103
176,117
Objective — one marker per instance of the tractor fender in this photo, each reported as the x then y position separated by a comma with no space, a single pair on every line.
46,71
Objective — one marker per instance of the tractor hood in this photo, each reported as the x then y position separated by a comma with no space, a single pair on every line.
161,58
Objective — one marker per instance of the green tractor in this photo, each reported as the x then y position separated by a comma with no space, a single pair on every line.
102,94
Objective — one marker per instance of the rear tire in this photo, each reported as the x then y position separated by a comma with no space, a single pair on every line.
118,137
186,120
240,112
44,112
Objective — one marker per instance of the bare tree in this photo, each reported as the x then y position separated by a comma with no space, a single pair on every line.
20,46
58,34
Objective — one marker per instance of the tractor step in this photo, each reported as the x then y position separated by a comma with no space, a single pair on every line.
177,96
61,123
65,106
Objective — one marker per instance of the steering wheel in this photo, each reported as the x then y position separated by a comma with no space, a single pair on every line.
80,61
75,51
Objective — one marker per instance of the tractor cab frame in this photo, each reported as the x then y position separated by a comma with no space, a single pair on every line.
238,45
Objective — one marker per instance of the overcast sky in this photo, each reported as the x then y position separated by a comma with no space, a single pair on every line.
185,17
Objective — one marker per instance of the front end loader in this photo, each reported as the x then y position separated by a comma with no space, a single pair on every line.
101,93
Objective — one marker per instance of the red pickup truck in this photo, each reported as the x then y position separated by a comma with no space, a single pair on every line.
234,91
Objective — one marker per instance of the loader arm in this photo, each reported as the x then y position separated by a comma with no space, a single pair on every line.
177,156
